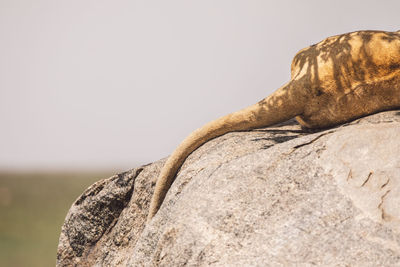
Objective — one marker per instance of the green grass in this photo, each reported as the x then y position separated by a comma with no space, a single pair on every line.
32,211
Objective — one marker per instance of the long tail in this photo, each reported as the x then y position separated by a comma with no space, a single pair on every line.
278,107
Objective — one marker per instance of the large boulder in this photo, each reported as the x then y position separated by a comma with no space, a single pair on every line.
279,196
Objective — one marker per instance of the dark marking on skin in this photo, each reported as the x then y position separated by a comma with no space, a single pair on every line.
394,66
319,91
390,37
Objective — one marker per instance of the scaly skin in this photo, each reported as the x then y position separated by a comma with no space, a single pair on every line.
342,78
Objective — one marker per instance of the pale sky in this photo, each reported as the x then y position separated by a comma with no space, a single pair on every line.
113,84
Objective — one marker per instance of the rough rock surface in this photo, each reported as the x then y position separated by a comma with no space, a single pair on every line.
278,196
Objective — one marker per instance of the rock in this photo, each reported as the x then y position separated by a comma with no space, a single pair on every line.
278,196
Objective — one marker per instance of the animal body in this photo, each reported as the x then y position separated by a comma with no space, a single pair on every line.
339,79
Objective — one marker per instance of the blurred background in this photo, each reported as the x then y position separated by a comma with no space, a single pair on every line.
91,88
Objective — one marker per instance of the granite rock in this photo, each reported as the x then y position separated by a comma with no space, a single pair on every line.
279,196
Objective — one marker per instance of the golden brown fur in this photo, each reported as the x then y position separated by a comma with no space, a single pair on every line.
339,79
